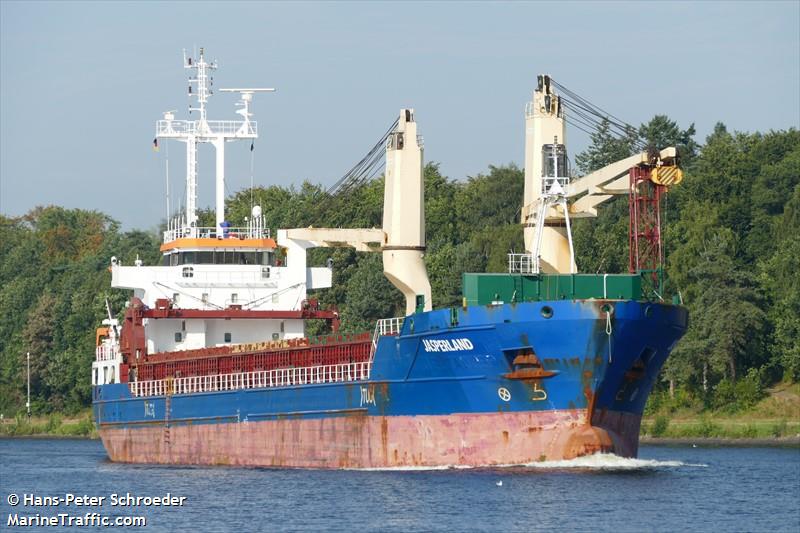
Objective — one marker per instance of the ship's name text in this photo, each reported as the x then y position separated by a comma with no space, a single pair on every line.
447,345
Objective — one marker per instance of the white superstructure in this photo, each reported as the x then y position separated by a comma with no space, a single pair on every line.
233,284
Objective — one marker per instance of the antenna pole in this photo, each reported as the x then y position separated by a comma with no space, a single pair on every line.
166,168
28,403
252,159
219,145
191,184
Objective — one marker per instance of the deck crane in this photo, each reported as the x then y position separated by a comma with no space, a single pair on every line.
401,240
552,197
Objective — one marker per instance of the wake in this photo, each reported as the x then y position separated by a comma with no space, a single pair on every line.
609,461
598,462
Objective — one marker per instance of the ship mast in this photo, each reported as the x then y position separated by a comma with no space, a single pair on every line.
215,132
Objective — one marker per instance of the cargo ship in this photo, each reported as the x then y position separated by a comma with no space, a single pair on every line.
211,363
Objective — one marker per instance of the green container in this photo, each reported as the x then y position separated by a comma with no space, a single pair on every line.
483,289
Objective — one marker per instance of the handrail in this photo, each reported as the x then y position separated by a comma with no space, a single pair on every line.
278,377
386,326
106,352
521,264
176,128
390,326
215,233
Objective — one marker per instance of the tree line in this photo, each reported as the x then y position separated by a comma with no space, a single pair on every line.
731,232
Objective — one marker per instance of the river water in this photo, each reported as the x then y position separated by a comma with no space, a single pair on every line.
666,489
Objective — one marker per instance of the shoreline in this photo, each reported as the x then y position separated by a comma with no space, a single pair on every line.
49,436
774,442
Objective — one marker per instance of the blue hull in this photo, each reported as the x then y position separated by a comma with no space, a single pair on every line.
449,363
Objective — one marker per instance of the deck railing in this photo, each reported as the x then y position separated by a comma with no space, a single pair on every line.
279,377
522,264
386,326
177,128
106,352
244,232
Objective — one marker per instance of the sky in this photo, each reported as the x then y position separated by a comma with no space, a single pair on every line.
82,84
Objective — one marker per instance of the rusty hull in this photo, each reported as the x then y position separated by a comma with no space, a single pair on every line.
363,441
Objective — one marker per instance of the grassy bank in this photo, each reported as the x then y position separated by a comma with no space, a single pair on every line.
776,416
708,426
54,425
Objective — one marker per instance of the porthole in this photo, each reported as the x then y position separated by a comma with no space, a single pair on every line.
547,311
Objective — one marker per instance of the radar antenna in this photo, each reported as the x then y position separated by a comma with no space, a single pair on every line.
246,98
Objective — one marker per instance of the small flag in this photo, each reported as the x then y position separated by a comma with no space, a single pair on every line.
155,144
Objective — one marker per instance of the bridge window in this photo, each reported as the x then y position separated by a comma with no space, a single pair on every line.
227,336
219,257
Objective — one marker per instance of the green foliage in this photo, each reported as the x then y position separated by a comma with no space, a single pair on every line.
728,324
661,132
82,428
732,246
780,281
780,429
733,250
705,428
659,426
708,429
53,425
733,396
445,263
53,285
660,401
601,244
53,422
605,149
488,200
369,296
